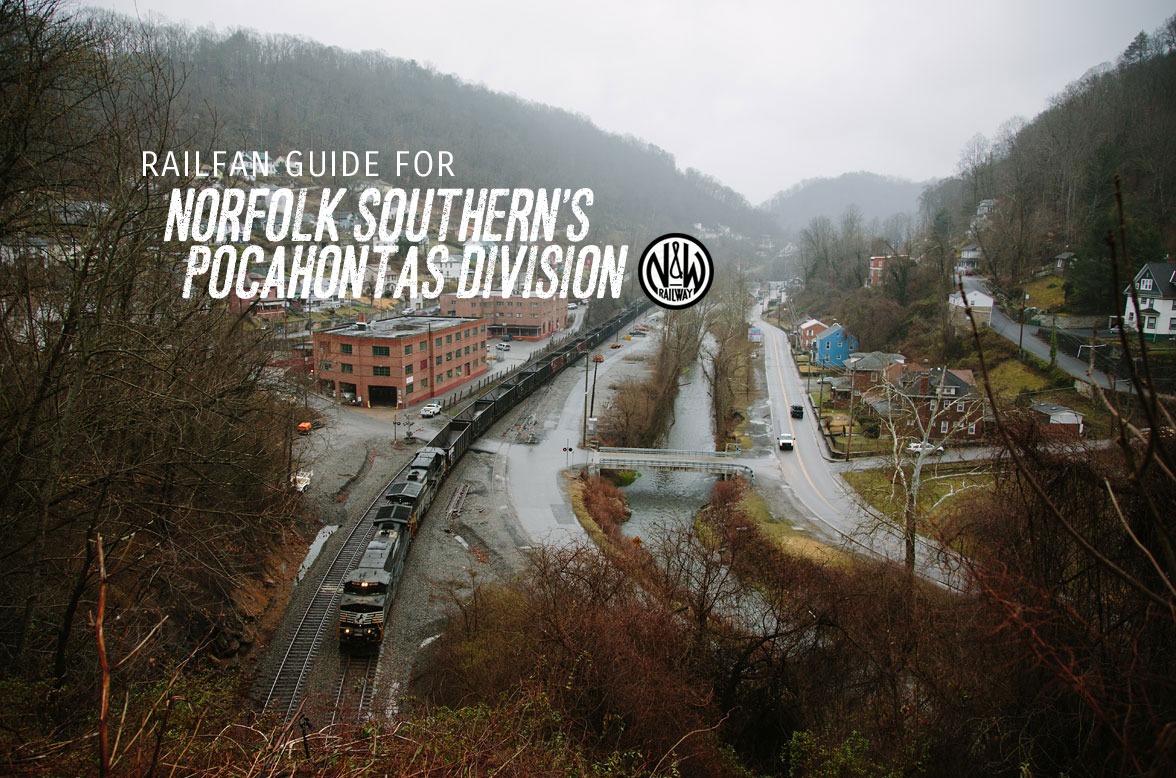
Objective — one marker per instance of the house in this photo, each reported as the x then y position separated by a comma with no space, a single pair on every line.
808,331
875,367
1155,286
833,346
984,211
877,271
969,259
947,401
1062,261
980,303
266,304
1054,419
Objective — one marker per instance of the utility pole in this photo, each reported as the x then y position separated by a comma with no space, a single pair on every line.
1021,336
592,402
852,392
584,431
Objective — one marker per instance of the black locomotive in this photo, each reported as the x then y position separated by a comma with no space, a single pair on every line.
369,589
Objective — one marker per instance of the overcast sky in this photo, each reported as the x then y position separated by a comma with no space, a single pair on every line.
757,94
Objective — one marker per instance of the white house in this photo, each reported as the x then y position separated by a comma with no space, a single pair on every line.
1155,286
980,303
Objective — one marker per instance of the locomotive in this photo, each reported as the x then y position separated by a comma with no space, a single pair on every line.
369,589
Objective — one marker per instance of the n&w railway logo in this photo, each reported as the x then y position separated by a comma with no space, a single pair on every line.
675,271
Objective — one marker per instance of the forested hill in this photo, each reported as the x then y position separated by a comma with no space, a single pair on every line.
875,196
1052,179
277,92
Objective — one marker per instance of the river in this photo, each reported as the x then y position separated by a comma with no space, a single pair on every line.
667,499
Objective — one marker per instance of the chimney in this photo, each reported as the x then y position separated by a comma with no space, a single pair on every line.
362,318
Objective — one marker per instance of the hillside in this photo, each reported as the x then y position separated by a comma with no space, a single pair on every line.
278,92
877,197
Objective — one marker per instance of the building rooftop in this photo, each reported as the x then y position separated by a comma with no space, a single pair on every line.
399,326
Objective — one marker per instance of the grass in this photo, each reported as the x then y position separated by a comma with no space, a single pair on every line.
1010,378
782,533
874,486
1046,294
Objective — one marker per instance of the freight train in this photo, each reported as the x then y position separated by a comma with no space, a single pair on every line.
369,589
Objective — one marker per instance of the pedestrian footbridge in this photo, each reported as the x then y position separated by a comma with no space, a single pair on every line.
717,462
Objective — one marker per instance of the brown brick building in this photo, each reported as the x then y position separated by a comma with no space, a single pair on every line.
403,360
528,318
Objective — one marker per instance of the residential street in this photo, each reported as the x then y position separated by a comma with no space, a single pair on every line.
1011,329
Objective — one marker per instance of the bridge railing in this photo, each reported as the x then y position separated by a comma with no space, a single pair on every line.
667,452
697,466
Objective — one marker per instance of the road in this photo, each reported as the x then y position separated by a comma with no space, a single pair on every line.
1011,330
821,496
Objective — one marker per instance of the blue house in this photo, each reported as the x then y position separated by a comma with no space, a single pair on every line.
833,346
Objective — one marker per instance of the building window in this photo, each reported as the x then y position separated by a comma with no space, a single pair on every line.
381,370
449,356
467,350
483,328
459,371
960,406
380,351
424,383
943,427
408,369
345,368
325,365
467,332
438,360
1145,284
934,405
448,338
345,348
424,364
408,389
438,343
407,349
971,429
449,374
457,336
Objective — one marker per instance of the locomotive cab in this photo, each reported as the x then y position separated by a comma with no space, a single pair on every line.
361,612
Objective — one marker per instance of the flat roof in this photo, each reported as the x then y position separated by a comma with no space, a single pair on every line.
399,326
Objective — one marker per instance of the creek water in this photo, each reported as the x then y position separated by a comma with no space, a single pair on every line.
667,499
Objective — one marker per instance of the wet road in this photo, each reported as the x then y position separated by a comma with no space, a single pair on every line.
822,498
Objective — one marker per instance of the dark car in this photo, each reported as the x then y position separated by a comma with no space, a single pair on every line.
798,411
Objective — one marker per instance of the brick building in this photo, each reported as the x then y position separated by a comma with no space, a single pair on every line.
528,318
403,360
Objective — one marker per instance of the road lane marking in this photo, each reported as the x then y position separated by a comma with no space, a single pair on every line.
799,459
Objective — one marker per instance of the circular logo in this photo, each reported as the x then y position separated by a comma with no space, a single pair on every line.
675,271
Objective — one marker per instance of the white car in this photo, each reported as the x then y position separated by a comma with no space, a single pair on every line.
502,346
785,441
923,448
430,410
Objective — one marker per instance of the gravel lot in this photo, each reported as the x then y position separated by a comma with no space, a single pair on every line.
353,457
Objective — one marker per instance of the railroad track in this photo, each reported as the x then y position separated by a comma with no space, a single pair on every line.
283,691
357,687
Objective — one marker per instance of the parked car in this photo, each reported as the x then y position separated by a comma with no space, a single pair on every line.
917,448
430,410
503,347
785,441
614,345
572,306
797,411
